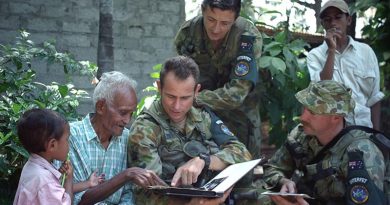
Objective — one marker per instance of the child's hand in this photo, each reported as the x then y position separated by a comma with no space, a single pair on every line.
62,169
67,172
66,168
96,179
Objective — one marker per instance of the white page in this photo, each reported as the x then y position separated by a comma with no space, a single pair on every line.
286,194
231,175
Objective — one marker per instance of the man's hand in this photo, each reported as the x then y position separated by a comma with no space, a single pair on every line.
288,186
279,200
144,177
188,173
331,37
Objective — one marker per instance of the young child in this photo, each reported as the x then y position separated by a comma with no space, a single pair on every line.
44,134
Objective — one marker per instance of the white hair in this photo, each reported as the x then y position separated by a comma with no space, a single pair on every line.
109,83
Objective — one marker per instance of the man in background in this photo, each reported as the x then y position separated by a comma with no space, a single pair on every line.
352,63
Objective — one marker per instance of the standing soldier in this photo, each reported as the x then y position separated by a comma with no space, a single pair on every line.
227,49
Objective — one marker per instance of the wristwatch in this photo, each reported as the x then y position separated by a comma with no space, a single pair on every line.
206,159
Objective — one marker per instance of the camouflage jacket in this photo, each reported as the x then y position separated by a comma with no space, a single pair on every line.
236,101
325,180
155,144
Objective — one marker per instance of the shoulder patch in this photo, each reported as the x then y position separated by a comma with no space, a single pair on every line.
226,130
242,68
356,165
359,194
245,67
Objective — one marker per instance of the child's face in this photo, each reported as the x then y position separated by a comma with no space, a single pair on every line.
63,145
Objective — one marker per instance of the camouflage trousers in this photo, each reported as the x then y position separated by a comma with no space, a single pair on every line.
240,196
250,193
148,197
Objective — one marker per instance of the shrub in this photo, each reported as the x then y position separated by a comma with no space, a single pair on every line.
20,92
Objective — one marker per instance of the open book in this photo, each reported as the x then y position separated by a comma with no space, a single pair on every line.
216,186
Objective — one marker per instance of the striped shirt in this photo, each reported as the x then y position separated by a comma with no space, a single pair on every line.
87,155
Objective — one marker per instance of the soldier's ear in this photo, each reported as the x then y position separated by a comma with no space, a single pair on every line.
158,85
197,88
338,118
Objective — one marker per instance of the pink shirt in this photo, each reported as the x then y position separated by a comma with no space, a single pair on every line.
39,184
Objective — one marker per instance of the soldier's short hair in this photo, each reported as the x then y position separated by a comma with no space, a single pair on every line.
234,5
37,126
327,97
109,83
182,66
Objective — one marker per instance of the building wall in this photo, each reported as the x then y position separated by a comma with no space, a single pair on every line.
143,33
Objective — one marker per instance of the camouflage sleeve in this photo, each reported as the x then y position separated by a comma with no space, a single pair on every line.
228,97
144,139
231,150
233,93
281,165
180,37
366,168
257,46
373,159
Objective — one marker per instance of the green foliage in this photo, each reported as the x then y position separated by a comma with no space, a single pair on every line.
377,35
152,92
284,73
20,91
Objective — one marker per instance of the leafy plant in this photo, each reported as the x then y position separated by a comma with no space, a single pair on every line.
377,34
20,92
284,73
152,92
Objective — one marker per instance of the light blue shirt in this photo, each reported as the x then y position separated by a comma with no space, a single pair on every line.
87,155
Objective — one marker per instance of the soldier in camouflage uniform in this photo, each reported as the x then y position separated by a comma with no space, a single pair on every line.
176,140
227,49
322,159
